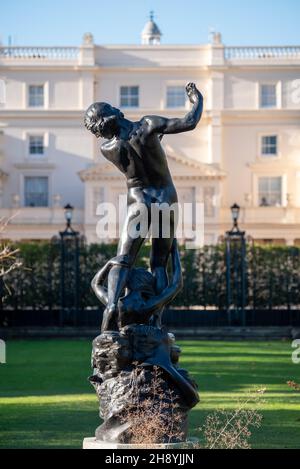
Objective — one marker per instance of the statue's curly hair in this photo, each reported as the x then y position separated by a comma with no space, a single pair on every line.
96,112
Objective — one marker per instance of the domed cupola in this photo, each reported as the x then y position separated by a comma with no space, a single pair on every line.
151,33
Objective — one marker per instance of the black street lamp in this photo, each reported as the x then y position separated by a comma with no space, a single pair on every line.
236,269
235,212
70,243
69,209
235,232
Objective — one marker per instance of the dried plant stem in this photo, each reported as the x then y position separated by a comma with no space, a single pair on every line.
293,385
231,430
154,415
236,413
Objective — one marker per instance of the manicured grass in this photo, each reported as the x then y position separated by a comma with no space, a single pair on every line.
47,402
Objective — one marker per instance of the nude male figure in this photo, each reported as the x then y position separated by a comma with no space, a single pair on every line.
135,149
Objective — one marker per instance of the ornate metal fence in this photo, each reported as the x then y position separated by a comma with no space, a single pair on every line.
234,283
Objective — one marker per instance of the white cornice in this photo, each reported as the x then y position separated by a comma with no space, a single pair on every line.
78,114
200,69
259,66
41,113
153,48
35,165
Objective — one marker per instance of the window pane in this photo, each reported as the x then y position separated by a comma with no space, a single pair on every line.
275,184
124,101
36,145
134,102
270,192
176,96
36,192
134,90
263,184
269,145
268,96
36,96
129,96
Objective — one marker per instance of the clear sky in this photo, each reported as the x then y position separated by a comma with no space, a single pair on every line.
63,22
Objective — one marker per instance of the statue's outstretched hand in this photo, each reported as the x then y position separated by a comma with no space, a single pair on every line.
193,93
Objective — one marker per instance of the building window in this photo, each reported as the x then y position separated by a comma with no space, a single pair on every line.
36,191
176,96
129,96
36,145
268,96
269,145
36,96
270,192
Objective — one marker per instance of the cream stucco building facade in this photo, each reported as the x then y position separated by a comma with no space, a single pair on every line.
246,150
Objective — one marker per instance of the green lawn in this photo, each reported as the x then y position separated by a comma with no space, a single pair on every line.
47,402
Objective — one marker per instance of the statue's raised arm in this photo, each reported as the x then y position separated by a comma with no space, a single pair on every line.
162,125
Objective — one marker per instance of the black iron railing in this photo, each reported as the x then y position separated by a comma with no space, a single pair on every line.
234,283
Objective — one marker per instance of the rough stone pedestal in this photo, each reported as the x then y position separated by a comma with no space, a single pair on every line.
92,443
141,386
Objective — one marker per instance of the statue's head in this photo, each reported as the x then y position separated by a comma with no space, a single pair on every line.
103,120
141,281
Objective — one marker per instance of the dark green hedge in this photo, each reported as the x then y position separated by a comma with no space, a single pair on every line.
272,276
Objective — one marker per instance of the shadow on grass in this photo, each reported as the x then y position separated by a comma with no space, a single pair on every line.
65,426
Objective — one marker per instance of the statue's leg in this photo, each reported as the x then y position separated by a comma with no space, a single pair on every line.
129,247
161,248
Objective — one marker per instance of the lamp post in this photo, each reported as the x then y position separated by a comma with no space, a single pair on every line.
235,215
235,212
236,269
69,216
69,242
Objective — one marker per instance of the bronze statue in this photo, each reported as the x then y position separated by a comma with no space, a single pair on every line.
133,343
135,149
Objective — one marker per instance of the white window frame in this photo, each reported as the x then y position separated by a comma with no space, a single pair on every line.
263,156
131,85
48,198
278,86
258,176
36,155
36,173
46,95
36,158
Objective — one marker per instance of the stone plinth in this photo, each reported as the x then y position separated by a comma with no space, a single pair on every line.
92,443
